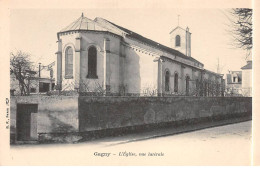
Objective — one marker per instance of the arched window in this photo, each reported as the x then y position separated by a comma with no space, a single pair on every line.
69,62
209,88
92,63
176,82
178,40
197,84
167,81
206,89
187,85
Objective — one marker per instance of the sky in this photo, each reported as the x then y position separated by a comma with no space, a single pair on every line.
35,31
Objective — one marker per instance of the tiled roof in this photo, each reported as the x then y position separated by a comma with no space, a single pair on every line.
248,65
83,23
178,27
153,43
208,71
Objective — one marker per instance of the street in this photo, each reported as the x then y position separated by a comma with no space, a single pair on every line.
224,145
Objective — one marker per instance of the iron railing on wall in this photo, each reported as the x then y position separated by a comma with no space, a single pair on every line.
198,88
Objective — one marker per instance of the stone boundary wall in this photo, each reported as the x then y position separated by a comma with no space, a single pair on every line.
99,113
56,114
75,118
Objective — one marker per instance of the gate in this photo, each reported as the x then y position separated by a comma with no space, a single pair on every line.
26,122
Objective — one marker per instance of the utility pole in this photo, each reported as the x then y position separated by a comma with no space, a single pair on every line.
219,67
39,69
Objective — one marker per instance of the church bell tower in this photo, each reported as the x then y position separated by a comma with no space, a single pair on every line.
181,40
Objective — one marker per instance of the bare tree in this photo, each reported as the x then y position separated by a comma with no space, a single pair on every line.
242,28
22,69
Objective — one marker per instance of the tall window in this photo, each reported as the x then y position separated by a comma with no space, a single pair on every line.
69,62
234,79
187,85
178,40
197,84
167,81
176,82
206,89
210,88
92,63
197,87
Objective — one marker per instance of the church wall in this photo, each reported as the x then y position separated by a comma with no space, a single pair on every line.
140,71
173,67
206,76
176,67
213,78
157,52
68,40
187,72
143,47
132,71
196,76
148,73
113,78
89,39
112,60
219,80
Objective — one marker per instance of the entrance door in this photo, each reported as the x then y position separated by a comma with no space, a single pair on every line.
26,122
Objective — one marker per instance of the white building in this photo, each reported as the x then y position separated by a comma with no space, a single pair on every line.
97,54
247,79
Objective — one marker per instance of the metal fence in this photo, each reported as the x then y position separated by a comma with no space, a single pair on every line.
196,88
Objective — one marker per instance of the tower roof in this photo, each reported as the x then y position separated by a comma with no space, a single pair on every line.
248,65
82,23
177,27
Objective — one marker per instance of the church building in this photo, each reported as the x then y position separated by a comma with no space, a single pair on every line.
100,56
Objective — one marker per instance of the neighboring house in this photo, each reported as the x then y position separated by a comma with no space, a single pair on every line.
240,82
41,85
247,79
37,84
94,54
234,83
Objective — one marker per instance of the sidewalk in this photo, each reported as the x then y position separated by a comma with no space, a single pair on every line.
162,132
